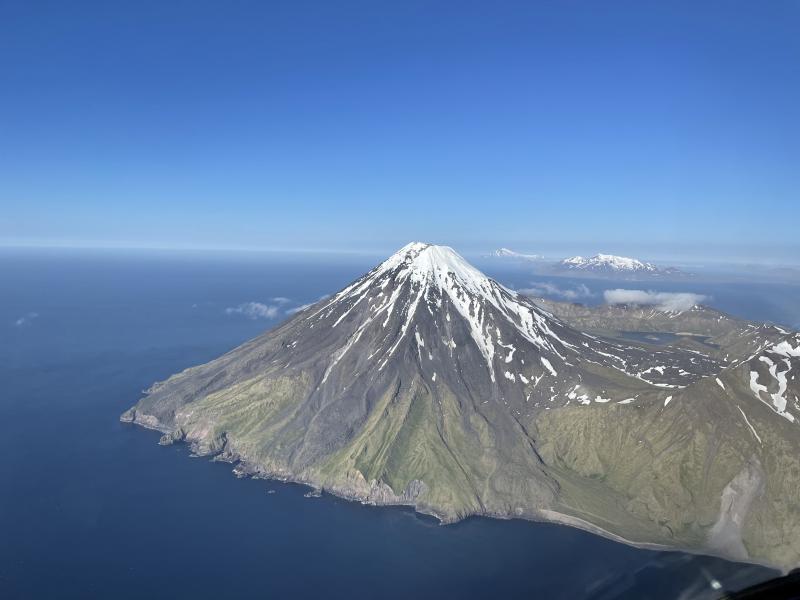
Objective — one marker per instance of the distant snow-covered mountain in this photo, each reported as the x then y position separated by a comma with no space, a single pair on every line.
599,265
609,264
605,262
506,253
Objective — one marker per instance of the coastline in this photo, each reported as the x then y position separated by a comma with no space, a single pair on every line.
245,469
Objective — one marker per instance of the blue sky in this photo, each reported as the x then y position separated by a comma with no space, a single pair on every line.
639,127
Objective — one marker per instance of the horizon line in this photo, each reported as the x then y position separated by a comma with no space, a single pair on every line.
485,253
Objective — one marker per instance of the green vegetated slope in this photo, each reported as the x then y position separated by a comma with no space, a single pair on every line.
657,474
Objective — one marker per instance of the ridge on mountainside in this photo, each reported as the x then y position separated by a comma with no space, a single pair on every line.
701,328
426,383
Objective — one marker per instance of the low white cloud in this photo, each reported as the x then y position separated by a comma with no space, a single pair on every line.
275,308
666,301
25,319
254,310
550,289
297,309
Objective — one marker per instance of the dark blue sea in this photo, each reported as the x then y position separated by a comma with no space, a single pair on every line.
93,508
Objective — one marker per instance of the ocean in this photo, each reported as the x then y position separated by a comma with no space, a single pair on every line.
94,508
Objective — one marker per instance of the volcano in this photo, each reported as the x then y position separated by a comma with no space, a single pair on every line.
426,383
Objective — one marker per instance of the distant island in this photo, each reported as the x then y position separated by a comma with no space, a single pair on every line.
610,264
506,253
599,265
426,383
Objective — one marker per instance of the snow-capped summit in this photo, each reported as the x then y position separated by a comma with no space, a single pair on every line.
419,259
423,263
427,284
